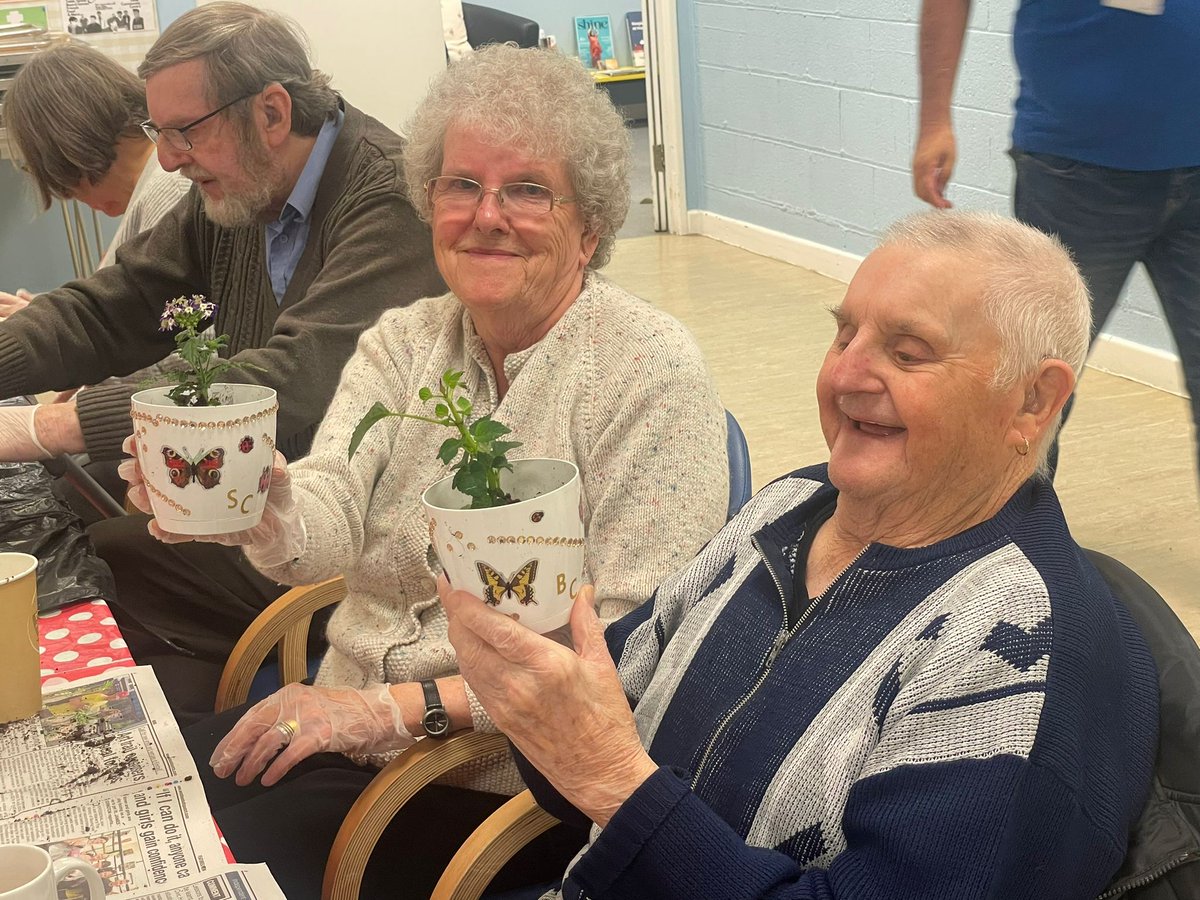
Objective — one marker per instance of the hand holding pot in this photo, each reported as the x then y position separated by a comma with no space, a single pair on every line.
279,537
564,709
301,720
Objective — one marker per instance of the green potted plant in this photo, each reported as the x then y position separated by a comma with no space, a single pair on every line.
205,447
510,532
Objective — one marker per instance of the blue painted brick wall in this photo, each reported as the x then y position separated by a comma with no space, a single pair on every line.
800,116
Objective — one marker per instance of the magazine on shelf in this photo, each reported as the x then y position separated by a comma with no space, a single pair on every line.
102,774
594,37
637,36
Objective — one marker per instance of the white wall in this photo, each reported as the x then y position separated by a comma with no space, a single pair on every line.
380,54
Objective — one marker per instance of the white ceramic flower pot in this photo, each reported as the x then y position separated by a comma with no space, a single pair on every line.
207,468
524,559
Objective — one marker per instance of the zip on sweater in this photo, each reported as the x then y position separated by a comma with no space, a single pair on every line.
786,633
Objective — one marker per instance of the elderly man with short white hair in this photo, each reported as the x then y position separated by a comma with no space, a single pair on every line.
892,675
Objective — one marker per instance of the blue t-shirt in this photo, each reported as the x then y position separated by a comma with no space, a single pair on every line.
1108,86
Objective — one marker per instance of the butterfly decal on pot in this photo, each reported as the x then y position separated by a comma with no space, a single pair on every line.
264,480
496,587
205,467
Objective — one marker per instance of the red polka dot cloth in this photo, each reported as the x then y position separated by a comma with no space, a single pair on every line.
79,640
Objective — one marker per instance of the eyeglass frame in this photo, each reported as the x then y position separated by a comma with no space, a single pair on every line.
554,198
154,132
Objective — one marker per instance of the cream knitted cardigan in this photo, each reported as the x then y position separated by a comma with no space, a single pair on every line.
616,386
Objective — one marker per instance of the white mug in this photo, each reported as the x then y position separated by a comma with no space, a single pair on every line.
28,873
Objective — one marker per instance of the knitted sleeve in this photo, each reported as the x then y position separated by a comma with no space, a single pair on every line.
103,325
332,491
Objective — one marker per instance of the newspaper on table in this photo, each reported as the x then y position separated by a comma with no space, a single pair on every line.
102,774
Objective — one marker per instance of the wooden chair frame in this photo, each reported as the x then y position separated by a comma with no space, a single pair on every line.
285,624
490,846
398,781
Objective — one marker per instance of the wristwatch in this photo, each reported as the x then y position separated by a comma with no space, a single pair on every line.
435,720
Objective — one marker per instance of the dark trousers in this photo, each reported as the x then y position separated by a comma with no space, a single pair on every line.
291,826
180,607
1110,219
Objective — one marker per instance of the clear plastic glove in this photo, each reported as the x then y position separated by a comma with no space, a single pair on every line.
341,720
278,538
11,303
18,435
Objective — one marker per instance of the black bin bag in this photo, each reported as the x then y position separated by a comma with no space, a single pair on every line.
34,521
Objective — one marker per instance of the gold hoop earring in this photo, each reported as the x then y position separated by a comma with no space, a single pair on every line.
1023,451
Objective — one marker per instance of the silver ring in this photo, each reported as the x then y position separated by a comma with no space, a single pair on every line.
287,730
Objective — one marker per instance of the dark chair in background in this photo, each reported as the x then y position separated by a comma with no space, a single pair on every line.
491,26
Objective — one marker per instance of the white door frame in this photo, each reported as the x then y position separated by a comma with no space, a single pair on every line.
664,111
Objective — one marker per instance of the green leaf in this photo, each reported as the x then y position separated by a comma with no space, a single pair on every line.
499,448
471,480
450,448
425,394
376,412
487,429
450,379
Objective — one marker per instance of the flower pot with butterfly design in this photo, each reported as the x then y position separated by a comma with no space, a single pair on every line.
524,558
206,468
511,533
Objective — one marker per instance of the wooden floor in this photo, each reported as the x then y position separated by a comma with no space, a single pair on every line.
1126,477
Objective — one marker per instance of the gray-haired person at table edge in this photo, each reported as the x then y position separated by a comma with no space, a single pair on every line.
73,120
525,168
895,675
298,227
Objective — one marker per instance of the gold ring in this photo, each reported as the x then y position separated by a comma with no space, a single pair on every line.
288,730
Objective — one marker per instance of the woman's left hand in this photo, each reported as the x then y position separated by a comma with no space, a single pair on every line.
564,709
301,720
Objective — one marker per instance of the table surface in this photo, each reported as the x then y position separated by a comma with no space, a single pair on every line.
79,640
82,639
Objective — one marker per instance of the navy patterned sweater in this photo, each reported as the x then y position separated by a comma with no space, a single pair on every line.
976,718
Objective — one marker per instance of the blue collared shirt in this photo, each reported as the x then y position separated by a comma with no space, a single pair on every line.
288,235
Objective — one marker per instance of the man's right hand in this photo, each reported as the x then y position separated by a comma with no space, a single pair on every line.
11,303
933,163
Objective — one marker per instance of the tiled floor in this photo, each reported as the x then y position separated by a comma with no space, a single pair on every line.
1126,477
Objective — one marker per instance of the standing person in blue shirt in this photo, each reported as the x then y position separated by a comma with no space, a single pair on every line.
1106,142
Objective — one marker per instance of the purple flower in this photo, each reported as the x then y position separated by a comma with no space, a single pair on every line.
186,313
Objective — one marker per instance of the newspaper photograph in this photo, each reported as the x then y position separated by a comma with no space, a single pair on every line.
108,16
102,774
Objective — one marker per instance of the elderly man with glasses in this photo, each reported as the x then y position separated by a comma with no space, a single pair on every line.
297,226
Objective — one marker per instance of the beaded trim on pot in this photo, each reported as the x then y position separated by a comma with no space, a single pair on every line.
535,539
178,507
157,419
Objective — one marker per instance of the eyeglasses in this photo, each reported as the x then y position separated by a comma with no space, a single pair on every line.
177,137
520,198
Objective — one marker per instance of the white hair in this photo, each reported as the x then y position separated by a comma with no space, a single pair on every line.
543,102
1033,295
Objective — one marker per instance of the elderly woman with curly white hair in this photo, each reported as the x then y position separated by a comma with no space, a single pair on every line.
521,166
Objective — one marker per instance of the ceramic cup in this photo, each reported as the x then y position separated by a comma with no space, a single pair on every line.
28,873
525,559
20,665
207,468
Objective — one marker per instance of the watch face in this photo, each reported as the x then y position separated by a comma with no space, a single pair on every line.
436,722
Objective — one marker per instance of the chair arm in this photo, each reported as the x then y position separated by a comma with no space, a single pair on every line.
285,622
386,794
490,846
